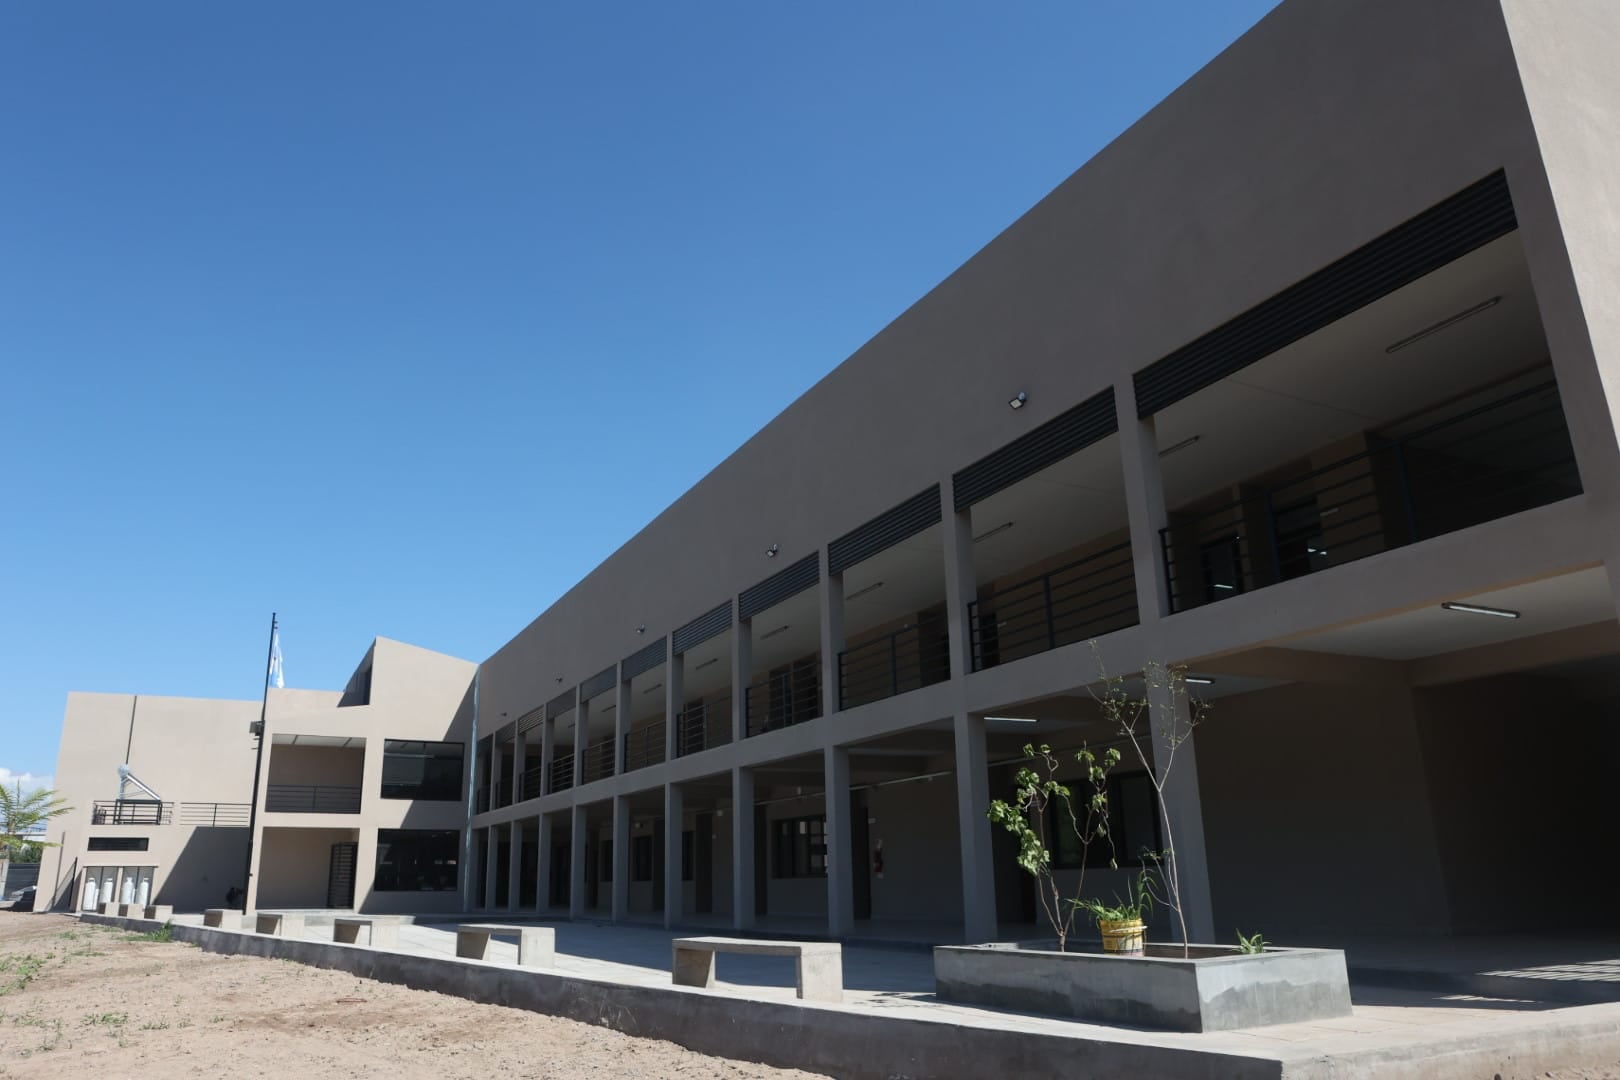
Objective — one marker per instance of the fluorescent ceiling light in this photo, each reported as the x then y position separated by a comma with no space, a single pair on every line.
1003,527
1013,719
773,633
654,686
1222,585
858,593
1451,320
706,663
1200,680
1182,445
1477,609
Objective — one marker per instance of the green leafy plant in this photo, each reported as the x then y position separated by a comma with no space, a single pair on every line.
1037,792
1134,906
1252,944
21,816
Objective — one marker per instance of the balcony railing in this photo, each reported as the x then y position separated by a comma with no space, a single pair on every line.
598,761
531,783
131,812
215,815
1501,458
1077,601
562,772
644,746
311,799
703,725
784,698
503,792
481,801
916,655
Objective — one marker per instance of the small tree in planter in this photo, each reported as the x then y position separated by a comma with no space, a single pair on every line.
1038,791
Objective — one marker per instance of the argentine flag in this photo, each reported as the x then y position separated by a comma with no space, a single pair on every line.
275,659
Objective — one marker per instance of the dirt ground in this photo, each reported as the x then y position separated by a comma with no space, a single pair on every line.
79,1001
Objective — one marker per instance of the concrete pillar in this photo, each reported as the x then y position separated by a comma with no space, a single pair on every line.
548,748
961,585
742,672
520,743
742,848
492,851
674,819
1170,718
621,858
674,701
830,592
582,735
542,896
973,829
1144,504
579,849
840,862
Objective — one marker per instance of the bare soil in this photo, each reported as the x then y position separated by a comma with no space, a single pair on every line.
78,1001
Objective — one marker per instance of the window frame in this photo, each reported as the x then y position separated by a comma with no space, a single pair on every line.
448,870
460,774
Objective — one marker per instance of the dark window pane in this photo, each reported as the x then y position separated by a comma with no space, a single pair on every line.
422,770
417,860
119,843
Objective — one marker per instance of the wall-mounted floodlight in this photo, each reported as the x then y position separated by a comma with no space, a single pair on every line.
1017,402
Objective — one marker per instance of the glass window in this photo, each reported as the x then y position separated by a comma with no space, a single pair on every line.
1133,824
799,847
417,860
641,858
119,843
422,770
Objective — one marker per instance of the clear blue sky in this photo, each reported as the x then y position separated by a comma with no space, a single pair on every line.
397,318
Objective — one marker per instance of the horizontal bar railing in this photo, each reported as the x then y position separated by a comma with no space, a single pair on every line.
531,783
215,815
703,725
1489,462
503,791
916,655
1078,601
311,799
597,763
644,746
131,812
562,772
783,700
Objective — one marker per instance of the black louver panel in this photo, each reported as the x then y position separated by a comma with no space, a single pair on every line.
600,683
1089,421
778,587
506,733
644,659
529,720
702,628
560,704
1467,220
887,529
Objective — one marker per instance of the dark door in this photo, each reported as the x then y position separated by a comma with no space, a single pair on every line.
561,864
860,849
703,864
658,864
340,876
762,854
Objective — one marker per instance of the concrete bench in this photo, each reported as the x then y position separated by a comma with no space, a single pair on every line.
537,945
106,909
164,912
280,923
130,911
223,917
380,933
820,975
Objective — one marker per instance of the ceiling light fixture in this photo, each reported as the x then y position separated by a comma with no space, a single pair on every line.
610,706
654,686
642,629
1199,680
1190,440
1003,527
858,593
770,552
706,663
1478,609
1012,719
1413,339
1018,401
773,633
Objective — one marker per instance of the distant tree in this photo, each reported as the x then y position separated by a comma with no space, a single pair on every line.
21,818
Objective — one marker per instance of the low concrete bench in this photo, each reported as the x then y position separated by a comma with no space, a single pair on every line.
223,917
537,945
820,963
380,933
165,912
280,923
130,911
106,909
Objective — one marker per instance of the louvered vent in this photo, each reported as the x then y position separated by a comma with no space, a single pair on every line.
702,628
887,529
778,587
1086,423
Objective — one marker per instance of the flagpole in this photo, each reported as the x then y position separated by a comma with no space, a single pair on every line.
258,766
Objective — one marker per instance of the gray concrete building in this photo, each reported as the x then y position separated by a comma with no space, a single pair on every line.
1306,385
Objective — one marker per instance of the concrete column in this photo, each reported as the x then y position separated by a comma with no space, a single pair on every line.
1144,503
742,672
548,747
973,829
578,852
1170,718
674,819
840,863
742,848
582,735
514,866
520,744
674,700
961,585
830,591
492,851
542,896
621,858
621,720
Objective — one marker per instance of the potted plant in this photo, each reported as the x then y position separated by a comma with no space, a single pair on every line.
1121,923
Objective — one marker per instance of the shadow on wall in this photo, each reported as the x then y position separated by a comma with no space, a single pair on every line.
213,861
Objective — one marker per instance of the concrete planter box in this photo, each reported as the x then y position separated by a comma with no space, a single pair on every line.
1214,989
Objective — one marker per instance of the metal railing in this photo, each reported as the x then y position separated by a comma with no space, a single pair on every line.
531,784
1488,462
1076,602
215,815
481,801
131,812
916,655
784,699
503,791
562,772
644,746
597,763
311,799
703,725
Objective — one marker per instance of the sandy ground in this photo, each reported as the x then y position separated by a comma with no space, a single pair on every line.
78,1001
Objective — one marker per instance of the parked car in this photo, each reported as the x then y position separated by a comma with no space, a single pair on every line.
21,900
